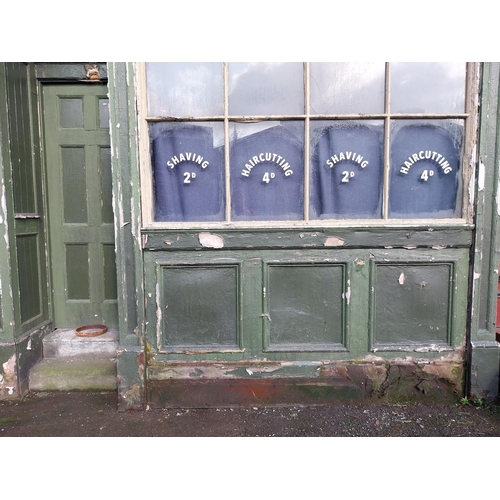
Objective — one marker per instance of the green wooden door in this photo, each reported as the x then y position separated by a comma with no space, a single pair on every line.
81,226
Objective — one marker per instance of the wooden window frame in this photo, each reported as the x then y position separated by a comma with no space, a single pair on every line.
468,165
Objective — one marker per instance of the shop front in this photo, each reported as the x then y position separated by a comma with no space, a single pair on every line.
287,232
305,229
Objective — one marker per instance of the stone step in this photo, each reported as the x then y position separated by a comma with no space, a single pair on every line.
74,373
64,343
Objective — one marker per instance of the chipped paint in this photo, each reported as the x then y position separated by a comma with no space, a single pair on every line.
333,241
9,376
497,198
211,240
158,315
481,176
348,293
438,247
402,278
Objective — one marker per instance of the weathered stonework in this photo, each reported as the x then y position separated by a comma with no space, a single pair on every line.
236,384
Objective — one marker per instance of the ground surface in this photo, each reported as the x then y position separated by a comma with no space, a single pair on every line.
74,414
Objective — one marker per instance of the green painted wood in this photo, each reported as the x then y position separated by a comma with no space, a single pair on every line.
320,237
126,199
310,305
29,283
199,307
305,304
46,71
6,218
79,199
131,360
23,173
412,304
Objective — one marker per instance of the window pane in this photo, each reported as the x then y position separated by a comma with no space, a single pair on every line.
267,170
346,169
425,168
266,88
185,89
427,87
347,88
188,171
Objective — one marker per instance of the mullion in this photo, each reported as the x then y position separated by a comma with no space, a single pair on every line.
307,98
387,139
227,176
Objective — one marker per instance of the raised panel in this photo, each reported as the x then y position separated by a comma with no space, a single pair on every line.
74,185
412,304
23,175
199,306
109,272
71,112
29,277
104,113
304,306
77,272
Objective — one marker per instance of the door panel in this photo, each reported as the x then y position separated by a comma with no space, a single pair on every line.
80,204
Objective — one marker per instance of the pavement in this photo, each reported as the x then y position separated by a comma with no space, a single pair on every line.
95,414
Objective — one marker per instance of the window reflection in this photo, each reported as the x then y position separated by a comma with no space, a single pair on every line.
428,87
266,88
185,89
347,88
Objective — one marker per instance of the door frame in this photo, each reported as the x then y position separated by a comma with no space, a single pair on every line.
50,74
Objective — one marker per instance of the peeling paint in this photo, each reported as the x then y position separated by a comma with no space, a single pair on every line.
158,315
333,241
481,175
211,240
8,380
497,198
410,247
438,247
348,293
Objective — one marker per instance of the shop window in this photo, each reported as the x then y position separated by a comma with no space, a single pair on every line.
315,143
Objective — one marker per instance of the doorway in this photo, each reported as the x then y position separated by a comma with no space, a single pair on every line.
80,212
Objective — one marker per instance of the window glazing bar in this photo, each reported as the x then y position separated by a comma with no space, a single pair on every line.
387,137
227,177
306,143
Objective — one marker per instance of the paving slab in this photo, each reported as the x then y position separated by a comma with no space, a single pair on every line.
66,343
74,373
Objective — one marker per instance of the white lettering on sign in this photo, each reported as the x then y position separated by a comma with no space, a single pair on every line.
426,155
196,158
347,155
268,158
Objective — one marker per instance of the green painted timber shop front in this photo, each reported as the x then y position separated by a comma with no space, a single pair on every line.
257,233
